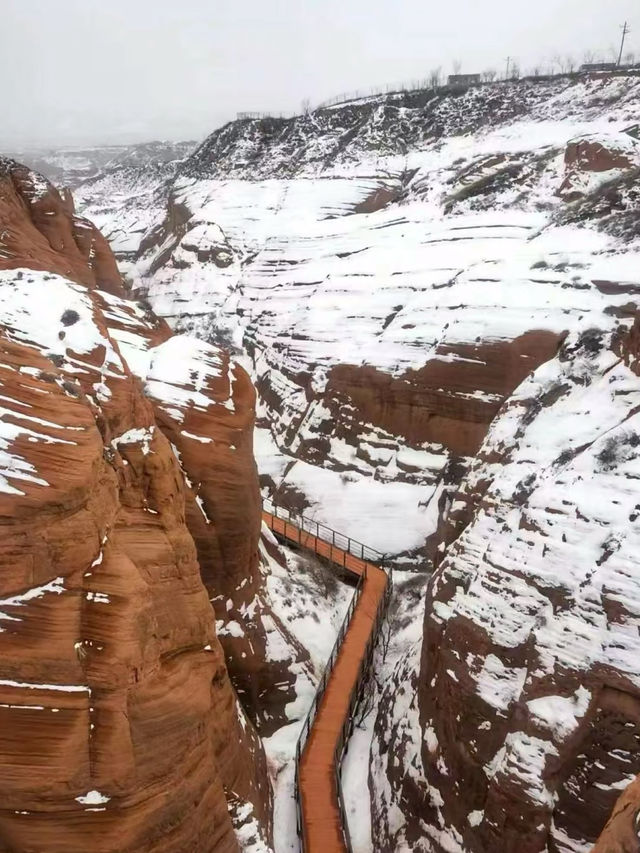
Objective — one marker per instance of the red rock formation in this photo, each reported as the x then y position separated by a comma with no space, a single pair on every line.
213,438
593,155
41,231
539,719
450,402
622,832
119,728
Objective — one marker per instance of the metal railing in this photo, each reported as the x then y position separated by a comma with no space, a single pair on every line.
356,695
324,533
331,537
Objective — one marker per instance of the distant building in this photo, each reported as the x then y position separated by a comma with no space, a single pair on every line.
590,67
464,79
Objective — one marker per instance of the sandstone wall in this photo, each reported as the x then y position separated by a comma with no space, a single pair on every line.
120,730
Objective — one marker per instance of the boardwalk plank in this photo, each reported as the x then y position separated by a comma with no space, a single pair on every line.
323,832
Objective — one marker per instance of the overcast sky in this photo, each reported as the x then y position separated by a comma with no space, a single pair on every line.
91,71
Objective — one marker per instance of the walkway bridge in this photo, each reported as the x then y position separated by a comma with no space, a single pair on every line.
322,820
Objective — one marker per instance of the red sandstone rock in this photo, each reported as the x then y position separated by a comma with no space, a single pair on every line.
539,719
213,439
436,403
591,155
622,832
119,728
41,231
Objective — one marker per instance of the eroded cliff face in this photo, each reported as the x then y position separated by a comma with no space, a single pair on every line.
120,728
528,692
621,834
204,403
393,269
41,231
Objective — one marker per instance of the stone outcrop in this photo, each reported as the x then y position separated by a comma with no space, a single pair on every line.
622,832
452,399
205,404
120,729
40,230
590,160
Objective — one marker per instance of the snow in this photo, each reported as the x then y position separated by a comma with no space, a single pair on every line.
230,628
63,688
309,287
560,714
44,330
181,374
93,798
311,604
54,587
398,650
249,833
98,597
524,758
498,684
388,517
21,289
140,435
308,600
566,844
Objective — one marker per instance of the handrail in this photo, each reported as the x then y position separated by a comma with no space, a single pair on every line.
313,711
324,532
314,529
347,726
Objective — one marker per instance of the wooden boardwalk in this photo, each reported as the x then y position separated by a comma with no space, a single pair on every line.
323,826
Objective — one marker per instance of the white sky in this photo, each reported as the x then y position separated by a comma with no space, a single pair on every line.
110,71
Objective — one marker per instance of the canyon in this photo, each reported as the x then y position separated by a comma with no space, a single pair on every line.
412,318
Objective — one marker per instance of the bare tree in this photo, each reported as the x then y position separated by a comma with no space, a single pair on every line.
374,685
569,64
589,57
557,62
515,71
435,76
306,106
366,703
489,75
535,71
457,66
630,58
384,638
